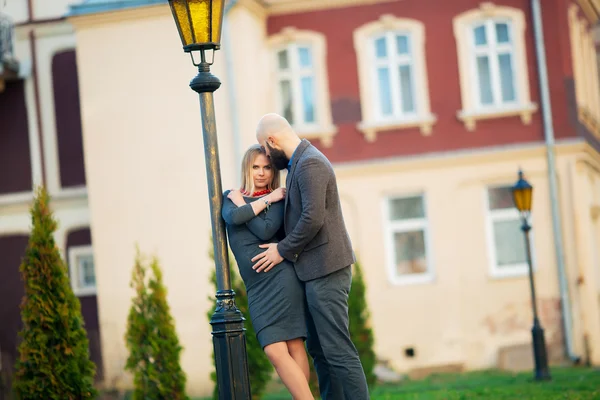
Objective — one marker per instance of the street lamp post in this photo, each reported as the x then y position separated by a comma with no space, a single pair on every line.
522,193
199,24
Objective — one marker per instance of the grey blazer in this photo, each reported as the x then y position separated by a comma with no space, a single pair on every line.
316,240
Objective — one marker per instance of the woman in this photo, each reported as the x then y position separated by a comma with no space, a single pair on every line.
253,216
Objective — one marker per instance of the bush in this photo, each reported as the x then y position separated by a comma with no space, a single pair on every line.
154,349
259,365
360,329
54,362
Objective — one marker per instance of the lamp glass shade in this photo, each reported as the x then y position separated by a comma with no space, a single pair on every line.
522,193
199,22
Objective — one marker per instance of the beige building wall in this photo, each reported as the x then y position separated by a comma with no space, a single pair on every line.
465,315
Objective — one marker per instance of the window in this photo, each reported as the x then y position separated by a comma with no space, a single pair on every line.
296,78
505,238
82,272
585,71
393,77
493,59
302,89
492,64
407,240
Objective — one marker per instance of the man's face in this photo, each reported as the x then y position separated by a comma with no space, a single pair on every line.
277,156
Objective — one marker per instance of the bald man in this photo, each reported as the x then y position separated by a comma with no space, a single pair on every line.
318,245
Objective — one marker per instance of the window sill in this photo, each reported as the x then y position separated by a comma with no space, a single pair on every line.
470,117
517,271
16,198
85,292
323,133
589,120
371,128
414,279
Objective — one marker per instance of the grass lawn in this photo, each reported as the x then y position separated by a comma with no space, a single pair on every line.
566,383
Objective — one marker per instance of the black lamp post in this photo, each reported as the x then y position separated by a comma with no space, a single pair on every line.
199,24
522,193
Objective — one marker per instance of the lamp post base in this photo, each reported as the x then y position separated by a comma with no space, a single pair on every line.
542,373
229,341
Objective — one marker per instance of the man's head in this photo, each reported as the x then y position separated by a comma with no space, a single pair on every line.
278,138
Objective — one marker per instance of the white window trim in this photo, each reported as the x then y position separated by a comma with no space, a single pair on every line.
323,128
75,252
513,271
493,49
403,226
463,25
585,71
371,124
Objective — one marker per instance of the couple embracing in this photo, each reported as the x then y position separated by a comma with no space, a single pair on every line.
294,255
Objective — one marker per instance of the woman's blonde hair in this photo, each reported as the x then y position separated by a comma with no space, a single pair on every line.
248,161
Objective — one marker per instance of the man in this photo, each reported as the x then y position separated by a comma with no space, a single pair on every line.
319,246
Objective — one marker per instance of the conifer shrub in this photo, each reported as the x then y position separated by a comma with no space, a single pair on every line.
154,349
54,360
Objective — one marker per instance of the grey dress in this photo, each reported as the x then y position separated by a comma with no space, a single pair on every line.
275,298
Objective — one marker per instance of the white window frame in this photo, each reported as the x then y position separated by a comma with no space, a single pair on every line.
409,225
291,38
464,25
508,214
392,62
364,44
585,71
75,273
492,51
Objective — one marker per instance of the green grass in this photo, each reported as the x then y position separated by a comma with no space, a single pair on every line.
566,383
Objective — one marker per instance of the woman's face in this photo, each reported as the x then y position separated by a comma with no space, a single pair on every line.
262,172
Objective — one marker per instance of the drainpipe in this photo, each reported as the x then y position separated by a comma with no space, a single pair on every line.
552,180
36,89
231,91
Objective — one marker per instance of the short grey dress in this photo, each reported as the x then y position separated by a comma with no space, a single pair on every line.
275,298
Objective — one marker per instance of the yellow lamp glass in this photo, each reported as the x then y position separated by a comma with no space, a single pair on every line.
522,193
199,23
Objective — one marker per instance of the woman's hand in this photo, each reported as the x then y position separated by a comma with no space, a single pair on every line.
236,197
277,195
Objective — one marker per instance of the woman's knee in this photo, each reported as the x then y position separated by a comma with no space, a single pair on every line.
296,346
276,352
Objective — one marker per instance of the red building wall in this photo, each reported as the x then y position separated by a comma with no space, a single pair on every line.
338,25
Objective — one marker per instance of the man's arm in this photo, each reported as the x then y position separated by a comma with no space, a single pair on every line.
312,177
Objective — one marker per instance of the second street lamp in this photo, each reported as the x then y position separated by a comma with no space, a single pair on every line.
199,24
522,196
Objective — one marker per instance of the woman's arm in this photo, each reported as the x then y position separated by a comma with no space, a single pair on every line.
234,215
266,228
265,202
236,212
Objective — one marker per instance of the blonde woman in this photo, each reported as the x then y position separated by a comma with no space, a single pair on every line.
254,215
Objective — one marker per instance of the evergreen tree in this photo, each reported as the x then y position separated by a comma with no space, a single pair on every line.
154,349
360,330
54,361
259,365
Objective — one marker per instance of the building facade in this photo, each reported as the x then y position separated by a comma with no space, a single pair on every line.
41,143
427,118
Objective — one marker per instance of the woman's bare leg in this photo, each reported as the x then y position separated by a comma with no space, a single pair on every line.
289,371
298,353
